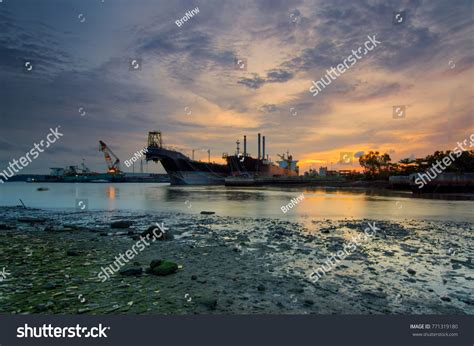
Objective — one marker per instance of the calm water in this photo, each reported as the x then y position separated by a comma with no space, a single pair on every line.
246,202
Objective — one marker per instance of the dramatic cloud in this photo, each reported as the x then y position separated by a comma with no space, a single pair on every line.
253,83
269,108
188,86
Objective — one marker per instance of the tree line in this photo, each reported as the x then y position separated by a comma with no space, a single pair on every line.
379,166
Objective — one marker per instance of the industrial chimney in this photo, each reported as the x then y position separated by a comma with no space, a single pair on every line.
263,148
245,146
258,147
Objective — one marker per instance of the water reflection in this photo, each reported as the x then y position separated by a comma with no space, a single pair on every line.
245,202
112,192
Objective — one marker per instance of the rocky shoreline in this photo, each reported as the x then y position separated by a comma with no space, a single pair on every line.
209,264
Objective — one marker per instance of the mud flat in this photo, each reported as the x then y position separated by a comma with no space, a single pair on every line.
231,265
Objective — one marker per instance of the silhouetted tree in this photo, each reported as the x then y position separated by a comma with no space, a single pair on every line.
463,163
375,165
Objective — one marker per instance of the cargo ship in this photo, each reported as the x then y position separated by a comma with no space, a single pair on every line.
74,174
183,170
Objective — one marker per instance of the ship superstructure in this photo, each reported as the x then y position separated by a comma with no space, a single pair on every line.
184,170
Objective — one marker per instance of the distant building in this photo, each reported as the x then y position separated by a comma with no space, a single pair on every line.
346,172
323,171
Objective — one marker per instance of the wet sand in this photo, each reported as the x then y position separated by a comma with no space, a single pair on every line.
231,265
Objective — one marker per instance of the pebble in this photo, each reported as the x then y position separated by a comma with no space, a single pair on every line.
28,219
121,224
232,279
207,212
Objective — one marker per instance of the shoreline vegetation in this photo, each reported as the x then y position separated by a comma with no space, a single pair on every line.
420,175
209,264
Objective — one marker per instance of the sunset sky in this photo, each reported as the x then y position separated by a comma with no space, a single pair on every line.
81,51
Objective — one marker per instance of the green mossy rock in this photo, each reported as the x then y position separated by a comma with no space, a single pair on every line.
163,268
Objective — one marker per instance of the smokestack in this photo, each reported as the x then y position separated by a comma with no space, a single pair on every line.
245,146
258,147
263,148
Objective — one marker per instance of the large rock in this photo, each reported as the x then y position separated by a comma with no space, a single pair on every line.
208,301
155,263
28,219
131,272
155,231
204,212
121,224
162,267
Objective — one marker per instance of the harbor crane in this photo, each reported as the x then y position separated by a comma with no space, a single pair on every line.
114,167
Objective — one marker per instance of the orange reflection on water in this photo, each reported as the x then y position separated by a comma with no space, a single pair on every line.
111,192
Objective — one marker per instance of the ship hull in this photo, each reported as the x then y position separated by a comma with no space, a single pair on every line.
184,171
195,178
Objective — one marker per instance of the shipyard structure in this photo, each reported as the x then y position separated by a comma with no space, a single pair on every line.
183,170
82,174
